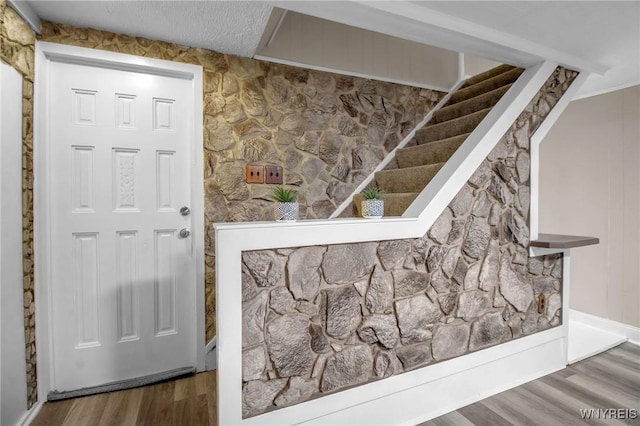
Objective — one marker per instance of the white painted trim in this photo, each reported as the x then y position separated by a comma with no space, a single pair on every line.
437,195
566,288
283,14
25,11
31,415
42,226
347,72
449,384
630,332
211,344
462,74
605,91
211,362
45,53
417,23
534,151
391,155
197,215
586,341
433,398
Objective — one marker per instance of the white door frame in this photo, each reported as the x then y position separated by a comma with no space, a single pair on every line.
44,55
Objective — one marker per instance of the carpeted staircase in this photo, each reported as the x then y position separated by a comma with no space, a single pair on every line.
436,142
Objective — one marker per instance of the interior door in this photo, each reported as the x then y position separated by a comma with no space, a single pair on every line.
123,282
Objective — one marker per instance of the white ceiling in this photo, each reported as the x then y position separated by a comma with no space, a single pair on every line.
606,32
591,35
224,26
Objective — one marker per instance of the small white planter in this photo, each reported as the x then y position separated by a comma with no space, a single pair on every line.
372,209
287,212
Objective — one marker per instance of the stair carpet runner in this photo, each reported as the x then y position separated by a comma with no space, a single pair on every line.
436,142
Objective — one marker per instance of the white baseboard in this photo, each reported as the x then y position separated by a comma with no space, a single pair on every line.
449,393
31,415
426,393
631,333
586,341
211,355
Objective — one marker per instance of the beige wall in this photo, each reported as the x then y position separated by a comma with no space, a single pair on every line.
475,64
317,42
590,185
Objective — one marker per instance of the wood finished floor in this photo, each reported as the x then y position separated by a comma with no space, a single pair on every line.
608,380
189,401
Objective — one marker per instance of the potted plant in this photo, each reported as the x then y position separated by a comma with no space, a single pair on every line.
372,206
286,206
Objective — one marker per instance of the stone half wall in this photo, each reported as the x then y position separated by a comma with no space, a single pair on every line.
320,319
327,131
17,46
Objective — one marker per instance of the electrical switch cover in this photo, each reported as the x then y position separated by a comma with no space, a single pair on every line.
254,174
273,174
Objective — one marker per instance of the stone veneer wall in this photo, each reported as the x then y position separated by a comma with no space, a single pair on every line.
324,318
17,46
328,131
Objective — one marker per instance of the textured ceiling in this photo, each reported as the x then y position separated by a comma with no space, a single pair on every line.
600,32
224,26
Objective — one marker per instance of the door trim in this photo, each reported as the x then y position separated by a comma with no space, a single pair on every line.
45,54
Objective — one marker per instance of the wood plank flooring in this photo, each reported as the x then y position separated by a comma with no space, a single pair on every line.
607,380
190,401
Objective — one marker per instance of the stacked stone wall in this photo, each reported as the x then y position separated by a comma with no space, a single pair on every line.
320,319
17,46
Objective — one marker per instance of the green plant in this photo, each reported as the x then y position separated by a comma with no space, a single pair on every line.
284,195
374,193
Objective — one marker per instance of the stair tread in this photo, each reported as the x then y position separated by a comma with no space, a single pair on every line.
485,86
471,105
430,153
451,128
487,74
407,179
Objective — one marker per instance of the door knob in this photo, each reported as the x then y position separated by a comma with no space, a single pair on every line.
184,233
185,211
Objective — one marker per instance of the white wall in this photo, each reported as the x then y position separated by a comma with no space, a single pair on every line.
316,42
13,379
590,185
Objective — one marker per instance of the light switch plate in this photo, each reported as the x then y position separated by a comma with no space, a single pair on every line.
273,174
254,174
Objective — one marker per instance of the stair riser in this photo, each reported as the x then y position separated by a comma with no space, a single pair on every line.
406,180
469,106
430,153
450,128
485,86
501,69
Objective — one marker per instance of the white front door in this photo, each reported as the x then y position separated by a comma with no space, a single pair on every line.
123,291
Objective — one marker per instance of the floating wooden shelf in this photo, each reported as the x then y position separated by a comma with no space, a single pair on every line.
563,241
